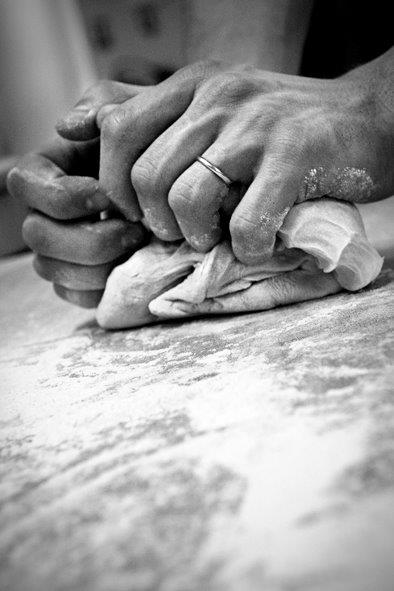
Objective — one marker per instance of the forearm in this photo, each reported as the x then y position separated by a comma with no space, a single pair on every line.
372,89
269,34
384,78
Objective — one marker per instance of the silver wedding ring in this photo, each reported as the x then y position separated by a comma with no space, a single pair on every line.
214,169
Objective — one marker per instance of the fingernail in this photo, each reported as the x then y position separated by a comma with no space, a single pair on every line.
71,118
76,117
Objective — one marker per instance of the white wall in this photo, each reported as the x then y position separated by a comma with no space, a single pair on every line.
45,64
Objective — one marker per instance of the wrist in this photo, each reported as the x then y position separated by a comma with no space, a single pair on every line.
374,82
384,80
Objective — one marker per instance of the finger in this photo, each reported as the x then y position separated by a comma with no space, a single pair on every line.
6,164
71,275
59,180
42,185
85,243
236,191
80,122
103,112
198,194
259,215
161,164
74,158
128,130
84,299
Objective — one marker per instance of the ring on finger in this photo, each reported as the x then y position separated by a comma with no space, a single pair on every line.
215,170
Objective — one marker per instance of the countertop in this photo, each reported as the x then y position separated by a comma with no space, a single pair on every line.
242,453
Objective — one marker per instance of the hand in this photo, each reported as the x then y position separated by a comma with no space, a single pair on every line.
74,248
285,138
6,163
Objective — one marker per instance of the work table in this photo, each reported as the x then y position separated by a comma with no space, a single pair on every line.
241,453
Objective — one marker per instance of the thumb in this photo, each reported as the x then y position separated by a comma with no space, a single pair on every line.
80,123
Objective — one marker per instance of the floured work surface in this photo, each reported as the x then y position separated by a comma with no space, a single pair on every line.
253,452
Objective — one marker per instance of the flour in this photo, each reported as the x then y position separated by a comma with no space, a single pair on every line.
347,183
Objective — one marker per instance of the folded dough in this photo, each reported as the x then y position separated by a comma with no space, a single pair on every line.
322,248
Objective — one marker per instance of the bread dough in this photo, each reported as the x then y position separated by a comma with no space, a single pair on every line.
322,248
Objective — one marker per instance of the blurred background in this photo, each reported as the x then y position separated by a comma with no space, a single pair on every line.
52,50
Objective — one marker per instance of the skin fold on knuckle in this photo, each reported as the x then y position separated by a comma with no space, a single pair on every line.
110,239
198,225
204,237
47,196
71,275
236,88
59,203
115,125
182,198
250,243
35,234
196,73
144,178
44,187
161,222
204,241
101,242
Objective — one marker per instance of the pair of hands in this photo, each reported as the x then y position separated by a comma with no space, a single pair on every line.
132,150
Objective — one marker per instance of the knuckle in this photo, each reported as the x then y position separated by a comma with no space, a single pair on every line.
114,125
201,70
103,241
207,67
210,64
270,87
243,227
96,243
58,203
181,197
235,85
199,73
252,237
144,176
33,233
